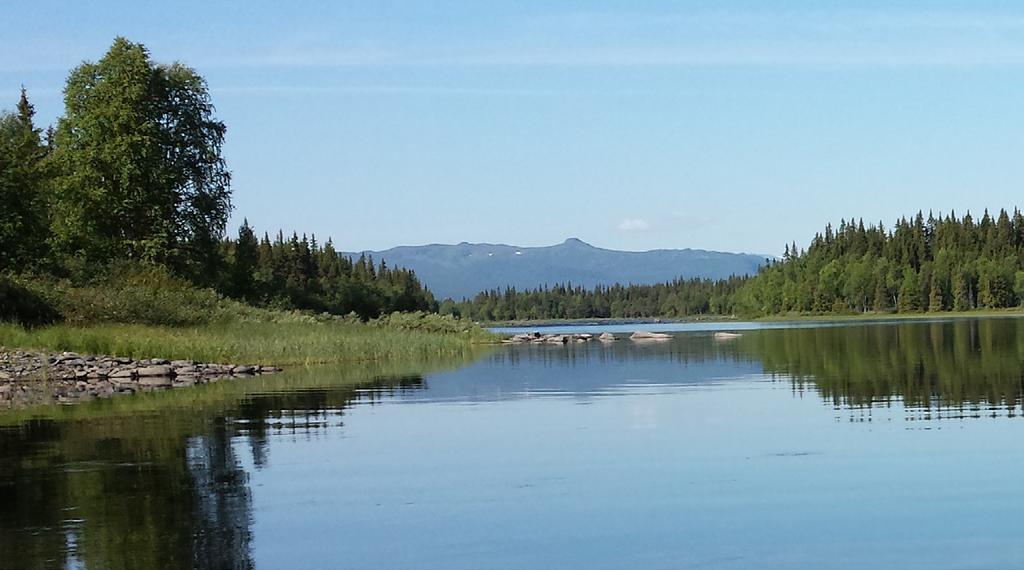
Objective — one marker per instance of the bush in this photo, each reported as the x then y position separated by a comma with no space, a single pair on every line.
432,323
22,305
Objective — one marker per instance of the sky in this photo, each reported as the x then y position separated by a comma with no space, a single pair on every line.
732,126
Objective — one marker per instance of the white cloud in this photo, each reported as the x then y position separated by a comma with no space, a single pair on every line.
634,225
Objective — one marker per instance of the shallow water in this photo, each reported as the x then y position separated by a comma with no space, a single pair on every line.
853,446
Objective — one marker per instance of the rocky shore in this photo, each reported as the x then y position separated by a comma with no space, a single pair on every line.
538,338
28,378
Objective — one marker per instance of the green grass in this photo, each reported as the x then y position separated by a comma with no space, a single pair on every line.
278,343
143,311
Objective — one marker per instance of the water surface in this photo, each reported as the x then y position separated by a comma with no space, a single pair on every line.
853,446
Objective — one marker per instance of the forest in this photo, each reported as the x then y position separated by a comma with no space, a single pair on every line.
938,263
944,263
132,177
678,298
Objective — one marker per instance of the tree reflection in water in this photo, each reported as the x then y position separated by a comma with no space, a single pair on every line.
161,480
162,489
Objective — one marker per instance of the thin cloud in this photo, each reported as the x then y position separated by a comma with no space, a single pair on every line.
835,39
382,90
634,225
626,38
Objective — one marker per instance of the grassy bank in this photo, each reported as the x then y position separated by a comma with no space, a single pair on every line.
279,343
143,312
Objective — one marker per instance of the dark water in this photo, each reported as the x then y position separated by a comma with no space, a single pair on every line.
858,446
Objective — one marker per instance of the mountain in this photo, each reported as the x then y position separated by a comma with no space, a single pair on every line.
465,269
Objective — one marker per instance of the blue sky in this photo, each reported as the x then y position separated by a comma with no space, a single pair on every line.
735,126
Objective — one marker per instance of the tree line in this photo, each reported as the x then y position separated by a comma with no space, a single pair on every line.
132,171
677,298
297,272
944,263
938,263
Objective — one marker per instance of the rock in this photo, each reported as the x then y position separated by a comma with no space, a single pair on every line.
606,337
70,377
157,370
726,336
644,335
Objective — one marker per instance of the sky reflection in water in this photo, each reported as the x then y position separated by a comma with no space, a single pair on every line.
842,447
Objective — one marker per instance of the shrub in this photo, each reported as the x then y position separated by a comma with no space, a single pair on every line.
22,305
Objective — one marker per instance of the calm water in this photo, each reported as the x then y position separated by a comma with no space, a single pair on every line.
856,446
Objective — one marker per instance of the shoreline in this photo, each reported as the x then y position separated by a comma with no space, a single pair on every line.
823,317
29,378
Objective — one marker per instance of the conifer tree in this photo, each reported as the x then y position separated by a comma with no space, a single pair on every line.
23,221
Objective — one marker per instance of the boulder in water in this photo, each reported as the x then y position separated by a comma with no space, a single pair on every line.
644,335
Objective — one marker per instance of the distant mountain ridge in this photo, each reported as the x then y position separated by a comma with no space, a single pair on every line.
465,269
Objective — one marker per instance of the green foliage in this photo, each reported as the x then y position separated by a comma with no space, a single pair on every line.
936,264
133,196
434,323
19,304
679,298
137,158
23,221
299,273
273,342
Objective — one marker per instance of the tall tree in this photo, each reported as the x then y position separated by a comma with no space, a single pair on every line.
138,158
23,223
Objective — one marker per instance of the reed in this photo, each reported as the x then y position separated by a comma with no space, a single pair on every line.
256,342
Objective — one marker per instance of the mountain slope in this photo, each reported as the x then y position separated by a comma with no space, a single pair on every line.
465,269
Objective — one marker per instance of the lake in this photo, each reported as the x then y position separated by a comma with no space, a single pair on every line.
853,445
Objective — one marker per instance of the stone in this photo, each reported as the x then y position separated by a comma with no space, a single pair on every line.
156,370
242,369
606,337
644,335
155,381
124,373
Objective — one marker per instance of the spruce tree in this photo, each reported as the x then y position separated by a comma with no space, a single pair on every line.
23,185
